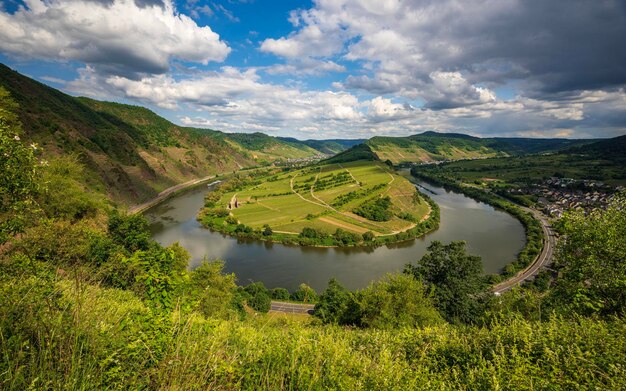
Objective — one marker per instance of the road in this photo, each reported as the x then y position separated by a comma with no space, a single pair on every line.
166,193
292,308
543,259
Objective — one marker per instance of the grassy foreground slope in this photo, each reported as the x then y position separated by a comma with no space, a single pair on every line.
131,153
357,197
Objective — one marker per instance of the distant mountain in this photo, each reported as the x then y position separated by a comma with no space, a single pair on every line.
130,152
609,149
433,146
430,146
329,147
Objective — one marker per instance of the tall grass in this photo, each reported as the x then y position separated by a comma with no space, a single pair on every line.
113,341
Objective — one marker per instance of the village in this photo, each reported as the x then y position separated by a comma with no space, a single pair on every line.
556,195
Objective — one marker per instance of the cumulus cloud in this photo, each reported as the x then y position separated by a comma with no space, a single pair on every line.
123,37
413,47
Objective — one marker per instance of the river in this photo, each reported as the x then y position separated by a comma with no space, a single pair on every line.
492,234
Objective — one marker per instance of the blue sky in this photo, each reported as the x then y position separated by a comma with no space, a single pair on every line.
337,68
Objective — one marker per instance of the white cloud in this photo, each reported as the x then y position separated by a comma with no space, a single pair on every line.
119,38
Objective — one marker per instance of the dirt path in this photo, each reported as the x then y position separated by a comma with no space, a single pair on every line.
344,226
300,195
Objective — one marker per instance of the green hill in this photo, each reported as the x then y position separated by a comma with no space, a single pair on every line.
357,152
433,146
430,146
131,153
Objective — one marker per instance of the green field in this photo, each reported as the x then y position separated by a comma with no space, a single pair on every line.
323,197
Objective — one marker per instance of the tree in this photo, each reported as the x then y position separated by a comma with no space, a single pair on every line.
591,260
280,294
259,297
334,305
397,301
456,278
267,230
368,236
305,294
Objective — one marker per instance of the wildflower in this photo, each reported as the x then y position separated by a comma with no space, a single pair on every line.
34,146
16,138
43,162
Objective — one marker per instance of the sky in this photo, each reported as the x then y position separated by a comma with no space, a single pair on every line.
337,68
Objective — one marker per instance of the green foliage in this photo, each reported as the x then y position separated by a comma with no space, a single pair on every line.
130,231
305,294
211,198
312,233
397,301
157,272
258,297
376,209
267,230
346,238
368,236
337,305
65,195
280,294
455,277
211,292
19,175
591,261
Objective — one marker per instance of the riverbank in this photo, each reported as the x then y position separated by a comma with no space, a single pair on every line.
538,238
170,192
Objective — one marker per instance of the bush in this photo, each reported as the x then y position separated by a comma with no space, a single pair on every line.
368,236
397,301
267,230
305,294
280,294
312,233
336,305
259,297
346,238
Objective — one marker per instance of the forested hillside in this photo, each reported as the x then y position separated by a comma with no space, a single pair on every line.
129,152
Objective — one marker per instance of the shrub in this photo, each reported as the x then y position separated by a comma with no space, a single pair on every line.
346,238
280,294
397,301
337,305
305,294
